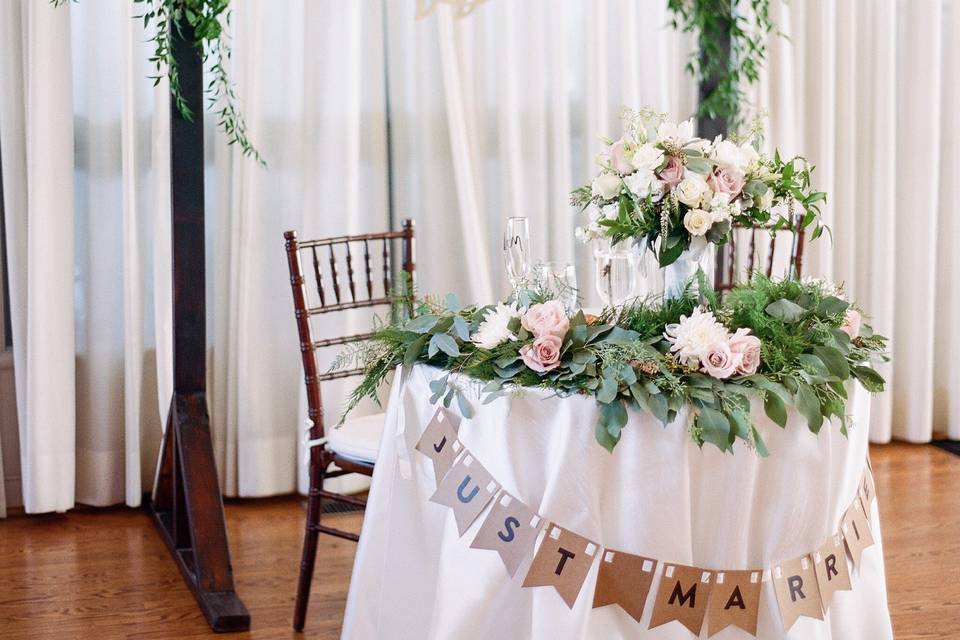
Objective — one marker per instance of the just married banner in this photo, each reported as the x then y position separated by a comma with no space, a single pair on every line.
692,596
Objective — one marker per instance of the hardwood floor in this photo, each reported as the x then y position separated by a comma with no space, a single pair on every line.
104,574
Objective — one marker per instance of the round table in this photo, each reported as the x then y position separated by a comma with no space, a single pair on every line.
657,495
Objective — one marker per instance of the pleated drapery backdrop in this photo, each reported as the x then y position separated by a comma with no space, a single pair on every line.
492,115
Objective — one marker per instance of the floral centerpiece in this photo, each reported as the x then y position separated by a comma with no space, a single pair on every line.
660,181
787,343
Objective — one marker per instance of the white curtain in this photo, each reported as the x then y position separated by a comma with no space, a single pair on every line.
492,115
867,90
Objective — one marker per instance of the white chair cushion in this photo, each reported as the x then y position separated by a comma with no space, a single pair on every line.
358,438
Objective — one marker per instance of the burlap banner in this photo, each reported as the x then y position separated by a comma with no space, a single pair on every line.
624,579
795,583
439,443
510,529
466,489
734,600
833,572
856,530
686,594
562,562
682,596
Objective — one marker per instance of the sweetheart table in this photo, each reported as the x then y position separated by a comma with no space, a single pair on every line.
656,495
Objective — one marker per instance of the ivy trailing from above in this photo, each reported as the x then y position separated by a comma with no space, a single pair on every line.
744,24
210,20
785,343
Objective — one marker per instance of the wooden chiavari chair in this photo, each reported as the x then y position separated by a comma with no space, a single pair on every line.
352,447
729,270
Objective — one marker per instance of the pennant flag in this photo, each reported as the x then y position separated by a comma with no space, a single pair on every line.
682,596
562,562
624,579
734,600
856,530
439,443
510,529
867,491
796,585
466,489
830,565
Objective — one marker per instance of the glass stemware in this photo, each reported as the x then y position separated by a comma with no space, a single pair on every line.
616,276
516,251
559,281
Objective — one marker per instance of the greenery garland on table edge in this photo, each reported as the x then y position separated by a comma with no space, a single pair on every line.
210,20
624,360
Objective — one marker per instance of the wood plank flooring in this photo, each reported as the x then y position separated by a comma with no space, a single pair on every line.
104,574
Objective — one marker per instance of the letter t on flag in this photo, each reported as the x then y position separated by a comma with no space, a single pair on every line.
562,562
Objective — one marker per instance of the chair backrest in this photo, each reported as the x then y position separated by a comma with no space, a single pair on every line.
760,245
324,259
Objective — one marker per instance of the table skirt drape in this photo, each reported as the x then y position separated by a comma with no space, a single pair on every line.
657,495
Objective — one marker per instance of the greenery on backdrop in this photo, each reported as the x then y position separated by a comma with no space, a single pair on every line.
745,25
210,20
786,343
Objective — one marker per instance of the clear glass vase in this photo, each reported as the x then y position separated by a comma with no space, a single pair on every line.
677,275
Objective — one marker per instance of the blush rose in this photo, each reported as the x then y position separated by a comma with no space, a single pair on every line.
719,361
546,318
851,323
748,348
727,180
672,172
543,354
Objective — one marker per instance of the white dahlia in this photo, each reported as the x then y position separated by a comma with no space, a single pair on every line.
493,331
694,335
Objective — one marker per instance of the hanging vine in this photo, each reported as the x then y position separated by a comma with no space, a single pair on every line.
210,20
745,24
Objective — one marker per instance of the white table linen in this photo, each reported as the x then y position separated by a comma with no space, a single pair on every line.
656,495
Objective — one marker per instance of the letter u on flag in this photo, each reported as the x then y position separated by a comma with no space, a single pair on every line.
682,596
466,489
510,529
562,562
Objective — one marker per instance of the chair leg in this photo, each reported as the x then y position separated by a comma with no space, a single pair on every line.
311,534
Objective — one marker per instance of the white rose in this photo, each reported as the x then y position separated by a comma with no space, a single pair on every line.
692,190
697,222
610,211
728,154
678,134
765,201
607,186
641,182
750,156
647,157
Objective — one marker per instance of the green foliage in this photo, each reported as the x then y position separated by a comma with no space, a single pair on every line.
715,22
210,20
623,360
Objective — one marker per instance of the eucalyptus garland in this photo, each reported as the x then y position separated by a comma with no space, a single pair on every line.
803,344
716,22
210,20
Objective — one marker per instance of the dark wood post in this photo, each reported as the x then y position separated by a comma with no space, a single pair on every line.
186,503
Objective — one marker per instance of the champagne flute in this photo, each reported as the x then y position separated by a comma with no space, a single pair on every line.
516,251
616,276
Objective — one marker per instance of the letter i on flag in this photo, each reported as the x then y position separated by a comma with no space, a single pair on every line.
624,579
466,489
734,600
562,562
439,443
856,531
796,585
682,596
510,529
